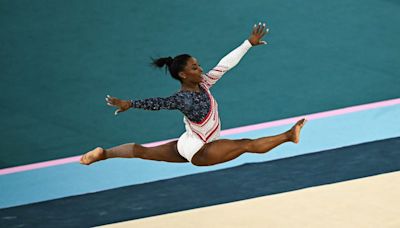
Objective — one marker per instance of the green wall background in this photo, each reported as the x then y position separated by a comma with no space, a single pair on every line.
59,59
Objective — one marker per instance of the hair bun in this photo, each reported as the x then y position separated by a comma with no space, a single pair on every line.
173,65
161,62
169,61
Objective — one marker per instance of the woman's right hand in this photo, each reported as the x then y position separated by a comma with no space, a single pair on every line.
122,105
257,34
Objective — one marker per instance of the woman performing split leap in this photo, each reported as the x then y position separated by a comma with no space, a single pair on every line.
199,144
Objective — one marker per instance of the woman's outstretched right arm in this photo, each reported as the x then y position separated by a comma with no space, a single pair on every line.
233,58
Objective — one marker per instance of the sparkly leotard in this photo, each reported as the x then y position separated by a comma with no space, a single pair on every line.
199,108
194,105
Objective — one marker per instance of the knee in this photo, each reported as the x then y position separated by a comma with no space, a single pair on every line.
246,143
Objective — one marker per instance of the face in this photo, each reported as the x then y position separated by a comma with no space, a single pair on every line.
192,71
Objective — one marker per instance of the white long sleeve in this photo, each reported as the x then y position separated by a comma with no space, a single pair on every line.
234,57
226,63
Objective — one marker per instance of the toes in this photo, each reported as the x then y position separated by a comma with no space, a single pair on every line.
302,122
82,159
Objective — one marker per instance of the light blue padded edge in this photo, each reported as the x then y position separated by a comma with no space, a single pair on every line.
74,179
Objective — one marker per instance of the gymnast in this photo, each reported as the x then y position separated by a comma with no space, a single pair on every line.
200,143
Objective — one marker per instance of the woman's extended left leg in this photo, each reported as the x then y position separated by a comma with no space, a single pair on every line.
167,152
224,150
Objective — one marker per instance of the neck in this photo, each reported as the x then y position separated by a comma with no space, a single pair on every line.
186,86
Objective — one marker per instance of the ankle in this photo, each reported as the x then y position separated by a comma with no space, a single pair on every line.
288,136
103,154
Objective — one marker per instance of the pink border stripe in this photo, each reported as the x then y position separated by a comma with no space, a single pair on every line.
314,116
231,131
56,162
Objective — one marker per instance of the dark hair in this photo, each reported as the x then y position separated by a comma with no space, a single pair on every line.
174,65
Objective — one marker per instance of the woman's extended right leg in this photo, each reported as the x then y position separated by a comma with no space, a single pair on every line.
224,150
166,152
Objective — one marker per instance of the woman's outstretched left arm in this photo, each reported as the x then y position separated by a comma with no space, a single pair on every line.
154,104
233,58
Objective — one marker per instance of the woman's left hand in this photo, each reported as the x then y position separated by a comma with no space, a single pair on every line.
121,105
257,34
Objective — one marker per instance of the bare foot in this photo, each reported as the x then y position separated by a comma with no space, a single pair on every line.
294,132
93,156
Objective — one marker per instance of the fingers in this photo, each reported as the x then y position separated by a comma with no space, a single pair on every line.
254,32
257,28
117,111
260,29
111,101
264,31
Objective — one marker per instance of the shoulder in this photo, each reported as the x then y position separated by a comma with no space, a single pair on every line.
181,96
204,82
